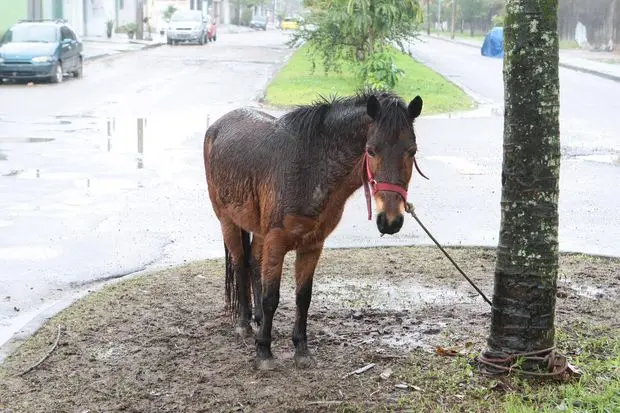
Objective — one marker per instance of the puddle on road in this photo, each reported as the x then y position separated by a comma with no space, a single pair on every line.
28,252
5,139
612,159
121,138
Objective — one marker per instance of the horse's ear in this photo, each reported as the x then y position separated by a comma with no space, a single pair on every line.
373,107
415,107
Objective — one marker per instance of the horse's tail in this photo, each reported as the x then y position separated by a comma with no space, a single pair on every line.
232,285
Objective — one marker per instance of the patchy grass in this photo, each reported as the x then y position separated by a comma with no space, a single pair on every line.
569,44
446,384
295,84
162,342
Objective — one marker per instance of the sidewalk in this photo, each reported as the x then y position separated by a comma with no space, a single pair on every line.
98,47
602,64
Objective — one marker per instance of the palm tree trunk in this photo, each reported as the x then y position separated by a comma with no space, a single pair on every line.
527,255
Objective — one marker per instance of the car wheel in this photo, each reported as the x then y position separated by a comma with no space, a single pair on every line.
169,41
58,73
201,40
79,72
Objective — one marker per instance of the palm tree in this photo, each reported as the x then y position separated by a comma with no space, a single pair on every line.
527,255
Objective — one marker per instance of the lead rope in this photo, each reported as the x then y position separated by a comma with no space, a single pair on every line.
410,209
557,363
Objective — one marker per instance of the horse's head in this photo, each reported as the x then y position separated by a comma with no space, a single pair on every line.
390,150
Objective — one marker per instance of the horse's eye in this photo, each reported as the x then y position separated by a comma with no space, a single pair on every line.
371,151
412,152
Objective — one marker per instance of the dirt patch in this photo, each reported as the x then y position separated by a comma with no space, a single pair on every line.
162,342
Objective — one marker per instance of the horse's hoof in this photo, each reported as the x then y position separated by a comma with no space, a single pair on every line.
266,364
305,361
244,331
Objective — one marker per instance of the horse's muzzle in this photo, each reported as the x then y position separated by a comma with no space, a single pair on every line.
386,226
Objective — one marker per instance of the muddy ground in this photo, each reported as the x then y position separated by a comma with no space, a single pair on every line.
162,342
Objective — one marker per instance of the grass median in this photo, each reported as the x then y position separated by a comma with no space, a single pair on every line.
296,84
162,343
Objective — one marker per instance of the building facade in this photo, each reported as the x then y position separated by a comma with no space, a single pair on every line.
11,11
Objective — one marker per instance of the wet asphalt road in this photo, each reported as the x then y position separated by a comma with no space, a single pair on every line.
85,196
103,176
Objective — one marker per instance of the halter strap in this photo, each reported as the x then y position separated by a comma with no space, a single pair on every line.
370,183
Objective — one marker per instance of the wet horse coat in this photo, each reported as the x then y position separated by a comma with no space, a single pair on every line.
286,181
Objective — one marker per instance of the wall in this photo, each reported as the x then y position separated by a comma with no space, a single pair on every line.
73,12
127,13
96,15
10,12
601,19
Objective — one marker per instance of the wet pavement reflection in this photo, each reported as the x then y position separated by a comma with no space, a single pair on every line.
95,198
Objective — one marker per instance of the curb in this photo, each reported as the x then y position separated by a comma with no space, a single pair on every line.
123,52
603,75
260,97
569,66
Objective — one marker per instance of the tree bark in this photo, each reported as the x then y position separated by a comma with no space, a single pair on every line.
526,269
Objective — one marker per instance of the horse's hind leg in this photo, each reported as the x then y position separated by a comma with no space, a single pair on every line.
237,278
271,274
305,265
255,268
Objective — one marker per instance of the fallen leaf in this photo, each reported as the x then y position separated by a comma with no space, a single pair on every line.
416,387
441,351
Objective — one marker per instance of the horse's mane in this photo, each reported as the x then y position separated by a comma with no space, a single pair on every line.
306,121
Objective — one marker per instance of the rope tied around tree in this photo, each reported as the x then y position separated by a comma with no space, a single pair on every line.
557,364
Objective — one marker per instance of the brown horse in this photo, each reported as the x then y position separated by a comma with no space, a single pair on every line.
286,181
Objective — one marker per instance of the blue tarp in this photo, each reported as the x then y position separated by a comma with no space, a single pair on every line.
493,45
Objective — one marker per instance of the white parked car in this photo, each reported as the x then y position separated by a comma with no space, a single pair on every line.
188,26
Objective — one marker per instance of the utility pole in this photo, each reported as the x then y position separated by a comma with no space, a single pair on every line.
428,17
116,12
453,18
139,20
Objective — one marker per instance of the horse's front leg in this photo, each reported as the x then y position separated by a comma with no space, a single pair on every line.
271,273
305,265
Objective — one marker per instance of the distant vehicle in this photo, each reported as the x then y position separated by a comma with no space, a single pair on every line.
189,26
259,22
289,23
40,49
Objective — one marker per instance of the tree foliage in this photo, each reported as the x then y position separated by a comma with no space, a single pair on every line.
361,31
168,12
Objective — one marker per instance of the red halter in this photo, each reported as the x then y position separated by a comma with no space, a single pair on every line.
371,183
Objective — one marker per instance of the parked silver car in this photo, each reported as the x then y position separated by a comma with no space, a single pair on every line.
187,26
